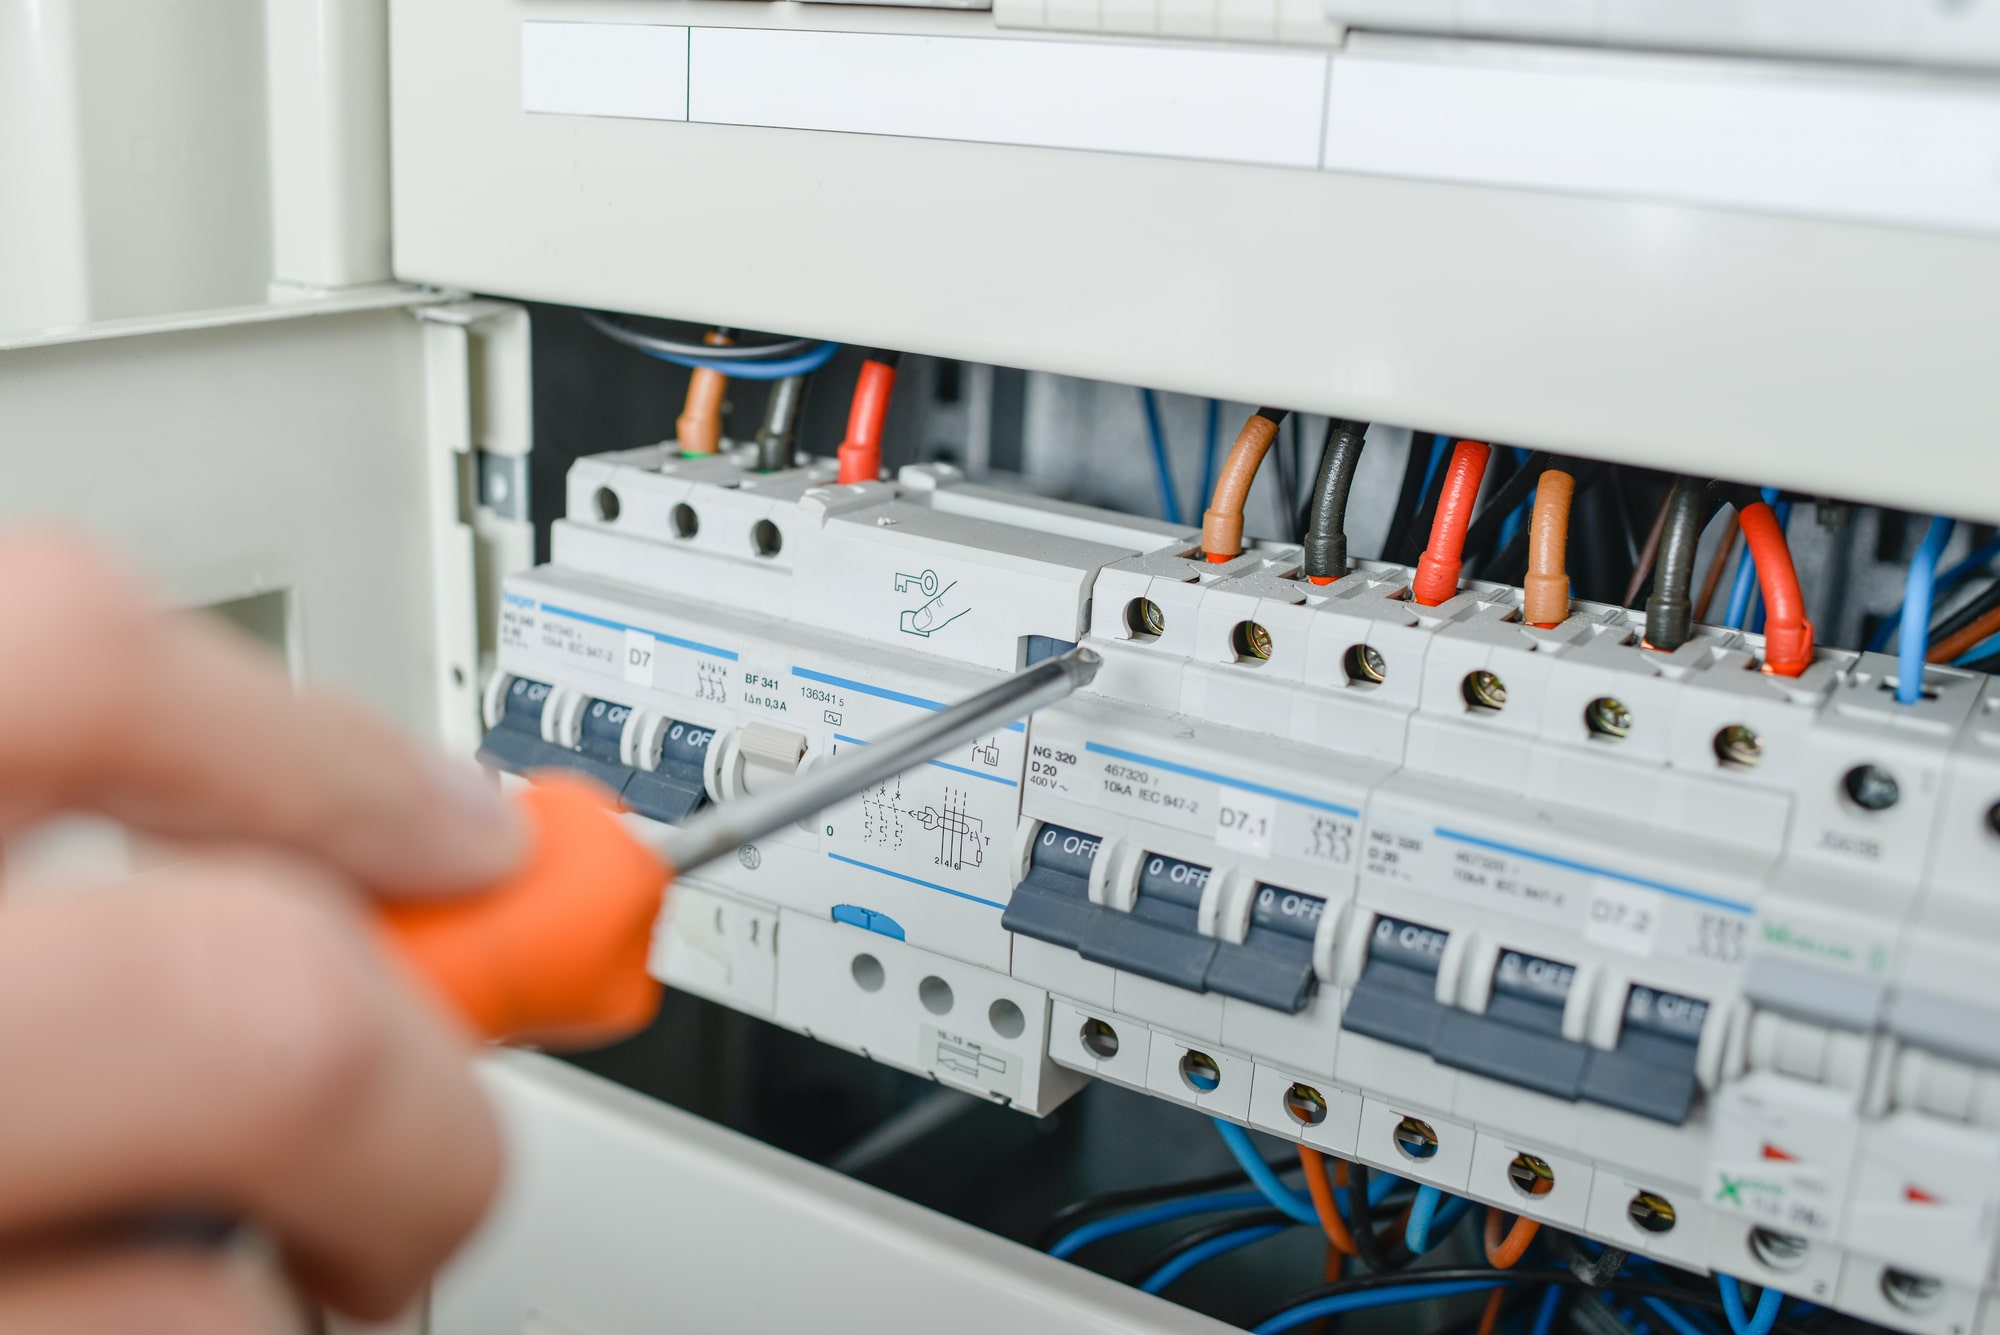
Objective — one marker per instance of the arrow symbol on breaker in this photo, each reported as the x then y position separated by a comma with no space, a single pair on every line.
1918,1196
1773,1152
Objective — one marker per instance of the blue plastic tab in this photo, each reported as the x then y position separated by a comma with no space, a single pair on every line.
868,920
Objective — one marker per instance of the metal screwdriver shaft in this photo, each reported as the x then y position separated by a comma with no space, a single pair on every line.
721,830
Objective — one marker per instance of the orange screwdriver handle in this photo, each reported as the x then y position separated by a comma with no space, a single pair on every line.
556,953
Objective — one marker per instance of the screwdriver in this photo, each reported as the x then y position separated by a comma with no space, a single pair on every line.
559,950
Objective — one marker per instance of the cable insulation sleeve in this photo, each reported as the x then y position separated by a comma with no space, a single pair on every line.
1437,570
1326,533
1222,525
860,454
1788,638
1545,591
1919,587
1670,609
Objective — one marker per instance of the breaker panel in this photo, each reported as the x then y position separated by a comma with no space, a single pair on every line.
1683,956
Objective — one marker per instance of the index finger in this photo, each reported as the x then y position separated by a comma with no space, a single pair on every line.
174,724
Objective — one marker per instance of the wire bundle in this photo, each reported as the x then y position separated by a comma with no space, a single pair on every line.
755,361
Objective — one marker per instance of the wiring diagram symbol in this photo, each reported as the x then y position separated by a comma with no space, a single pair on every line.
962,839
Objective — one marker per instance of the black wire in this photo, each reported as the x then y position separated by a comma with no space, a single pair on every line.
1410,496
1670,609
1506,498
1104,1201
1988,664
1636,1288
1988,599
1221,1227
1326,533
1368,1245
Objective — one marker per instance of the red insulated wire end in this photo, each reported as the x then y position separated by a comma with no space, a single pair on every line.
861,453
1319,579
1437,570
1788,635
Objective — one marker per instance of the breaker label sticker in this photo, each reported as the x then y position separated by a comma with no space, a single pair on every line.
1786,1197
1247,817
639,646
967,1061
1622,917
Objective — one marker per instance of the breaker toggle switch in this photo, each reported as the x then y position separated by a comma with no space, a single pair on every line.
1652,1070
668,756
753,758
1395,999
1052,902
1160,937
1273,966
1519,1037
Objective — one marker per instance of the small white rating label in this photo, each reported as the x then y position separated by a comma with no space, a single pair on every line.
639,647
1622,917
1243,821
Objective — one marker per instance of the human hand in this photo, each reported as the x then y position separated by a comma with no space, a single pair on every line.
220,1036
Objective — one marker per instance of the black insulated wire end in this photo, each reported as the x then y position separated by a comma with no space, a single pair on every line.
1325,542
1670,608
1275,416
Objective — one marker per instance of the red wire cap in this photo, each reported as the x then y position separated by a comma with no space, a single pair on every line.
1788,650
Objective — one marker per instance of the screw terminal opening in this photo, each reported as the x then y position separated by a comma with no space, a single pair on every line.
867,970
1415,1139
1099,1039
1608,718
1778,1251
1484,691
935,993
1144,619
1006,1019
1871,787
1250,642
1364,665
1651,1213
606,504
685,521
1914,1294
1306,1105
1199,1072
765,538
1531,1175
1738,747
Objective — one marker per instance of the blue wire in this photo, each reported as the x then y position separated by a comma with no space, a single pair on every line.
1976,560
1768,1303
1914,635
1545,1315
1672,1315
1208,456
1380,1184
1163,467
1455,1208
1294,1205
1077,1239
1745,583
1207,1251
1422,1210
805,362
1984,649
1431,468
1366,1298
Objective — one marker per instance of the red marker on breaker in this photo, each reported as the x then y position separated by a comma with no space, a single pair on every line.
559,950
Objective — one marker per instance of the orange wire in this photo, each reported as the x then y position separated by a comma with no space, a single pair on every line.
1321,1190
1501,1253
1973,635
1489,1316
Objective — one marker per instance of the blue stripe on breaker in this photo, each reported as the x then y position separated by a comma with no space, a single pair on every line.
941,764
879,692
928,885
1713,901
1223,779
697,646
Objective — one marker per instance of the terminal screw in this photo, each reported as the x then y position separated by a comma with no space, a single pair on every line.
1483,690
1872,788
1738,746
1607,717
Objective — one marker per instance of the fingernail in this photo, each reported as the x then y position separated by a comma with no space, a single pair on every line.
488,837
